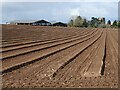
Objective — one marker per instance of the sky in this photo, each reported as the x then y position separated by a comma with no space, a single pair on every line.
58,11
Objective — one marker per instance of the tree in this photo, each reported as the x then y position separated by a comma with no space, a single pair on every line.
78,21
85,23
94,22
118,24
114,24
109,22
70,23
103,20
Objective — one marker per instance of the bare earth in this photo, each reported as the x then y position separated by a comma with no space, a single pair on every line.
35,57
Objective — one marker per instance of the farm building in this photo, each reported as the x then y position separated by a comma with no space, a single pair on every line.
42,23
59,24
31,22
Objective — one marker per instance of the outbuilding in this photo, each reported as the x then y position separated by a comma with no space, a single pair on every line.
31,22
59,24
41,23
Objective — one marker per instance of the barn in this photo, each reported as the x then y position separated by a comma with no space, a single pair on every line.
59,24
31,22
41,23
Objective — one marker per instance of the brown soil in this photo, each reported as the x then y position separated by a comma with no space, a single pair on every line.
35,56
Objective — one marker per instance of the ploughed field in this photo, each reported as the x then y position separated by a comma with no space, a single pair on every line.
36,56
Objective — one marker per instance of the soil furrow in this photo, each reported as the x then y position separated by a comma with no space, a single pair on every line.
114,51
44,42
75,66
94,69
72,57
33,56
60,61
30,48
33,38
29,42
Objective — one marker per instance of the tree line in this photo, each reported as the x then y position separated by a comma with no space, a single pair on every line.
94,22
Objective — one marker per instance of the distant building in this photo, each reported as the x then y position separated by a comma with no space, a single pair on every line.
59,24
31,22
42,23
37,23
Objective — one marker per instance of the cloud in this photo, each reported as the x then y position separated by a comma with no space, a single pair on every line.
61,11
108,10
75,11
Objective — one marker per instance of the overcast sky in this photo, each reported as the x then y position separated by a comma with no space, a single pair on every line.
58,11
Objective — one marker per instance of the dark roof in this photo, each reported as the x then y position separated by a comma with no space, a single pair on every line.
42,21
23,21
59,24
29,21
